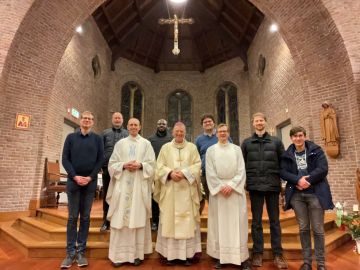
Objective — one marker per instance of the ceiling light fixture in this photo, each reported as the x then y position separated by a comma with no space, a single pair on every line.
79,29
274,28
178,1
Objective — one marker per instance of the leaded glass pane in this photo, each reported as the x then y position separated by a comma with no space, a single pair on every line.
179,109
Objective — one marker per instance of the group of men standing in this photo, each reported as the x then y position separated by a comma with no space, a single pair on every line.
161,177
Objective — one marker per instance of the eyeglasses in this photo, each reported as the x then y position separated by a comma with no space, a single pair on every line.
161,124
87,118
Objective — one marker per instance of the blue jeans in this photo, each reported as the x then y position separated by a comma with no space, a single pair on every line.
257,199
309,211
80,200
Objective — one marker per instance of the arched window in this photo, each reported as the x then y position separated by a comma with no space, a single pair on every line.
179,109
132,102
227,109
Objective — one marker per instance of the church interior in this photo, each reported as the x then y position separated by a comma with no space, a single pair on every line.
224,57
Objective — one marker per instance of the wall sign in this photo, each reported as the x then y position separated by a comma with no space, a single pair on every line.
22,121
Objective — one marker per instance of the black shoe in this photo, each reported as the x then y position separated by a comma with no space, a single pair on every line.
137,262
154,227
105,226
321,267
118,264
170,263
187,262
218,265
257,259
246,265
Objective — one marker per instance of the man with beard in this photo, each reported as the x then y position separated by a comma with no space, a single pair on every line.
262,154
110,137
157,140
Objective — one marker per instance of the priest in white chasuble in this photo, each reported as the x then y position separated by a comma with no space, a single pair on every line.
227,214
132,169
177,190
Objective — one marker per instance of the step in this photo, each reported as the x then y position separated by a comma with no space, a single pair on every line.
53,231
45,235
61,218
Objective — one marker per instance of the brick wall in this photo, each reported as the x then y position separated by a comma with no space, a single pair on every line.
76,87
33,55
301,74
202,88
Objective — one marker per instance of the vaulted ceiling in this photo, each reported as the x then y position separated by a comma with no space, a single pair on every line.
223,29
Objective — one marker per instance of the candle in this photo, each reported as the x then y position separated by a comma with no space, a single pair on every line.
356,208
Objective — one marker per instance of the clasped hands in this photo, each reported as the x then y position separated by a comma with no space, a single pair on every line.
226,191
82,180
303,183
132,165
176,175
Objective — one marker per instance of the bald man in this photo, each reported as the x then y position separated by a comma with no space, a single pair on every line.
131,167
110,137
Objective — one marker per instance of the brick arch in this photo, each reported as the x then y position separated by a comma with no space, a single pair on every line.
26,82
324,67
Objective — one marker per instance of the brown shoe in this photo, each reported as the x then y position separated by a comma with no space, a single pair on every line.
257,259
280,262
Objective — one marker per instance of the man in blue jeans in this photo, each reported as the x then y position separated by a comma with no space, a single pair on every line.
304,167
83,156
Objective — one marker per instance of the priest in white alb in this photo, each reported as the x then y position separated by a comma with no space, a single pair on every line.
132,169
227,213
177,190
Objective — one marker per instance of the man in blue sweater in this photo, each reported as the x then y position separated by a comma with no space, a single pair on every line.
83,156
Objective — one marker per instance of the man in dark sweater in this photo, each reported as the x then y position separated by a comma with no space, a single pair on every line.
83,156
110,137
262,154
157,140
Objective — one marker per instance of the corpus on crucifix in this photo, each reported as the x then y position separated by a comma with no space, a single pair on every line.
176,22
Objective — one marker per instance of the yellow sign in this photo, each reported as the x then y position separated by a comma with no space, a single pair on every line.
22,121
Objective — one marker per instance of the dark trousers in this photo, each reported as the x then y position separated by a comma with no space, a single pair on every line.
80,200
309,211
106,182
205,186
155,212
257,199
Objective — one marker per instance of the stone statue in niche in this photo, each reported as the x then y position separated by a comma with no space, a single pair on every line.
357,184
261,65
95,63
329,130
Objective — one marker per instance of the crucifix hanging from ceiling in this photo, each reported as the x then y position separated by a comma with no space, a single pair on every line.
176,21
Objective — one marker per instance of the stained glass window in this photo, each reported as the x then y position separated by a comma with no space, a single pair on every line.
179,109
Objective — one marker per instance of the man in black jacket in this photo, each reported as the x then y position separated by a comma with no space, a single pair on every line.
304,167
262,154
110,137
157,140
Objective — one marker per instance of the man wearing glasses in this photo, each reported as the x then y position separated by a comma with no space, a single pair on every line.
83,156
157,140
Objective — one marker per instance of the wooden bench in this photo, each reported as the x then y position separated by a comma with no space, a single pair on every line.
53,185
